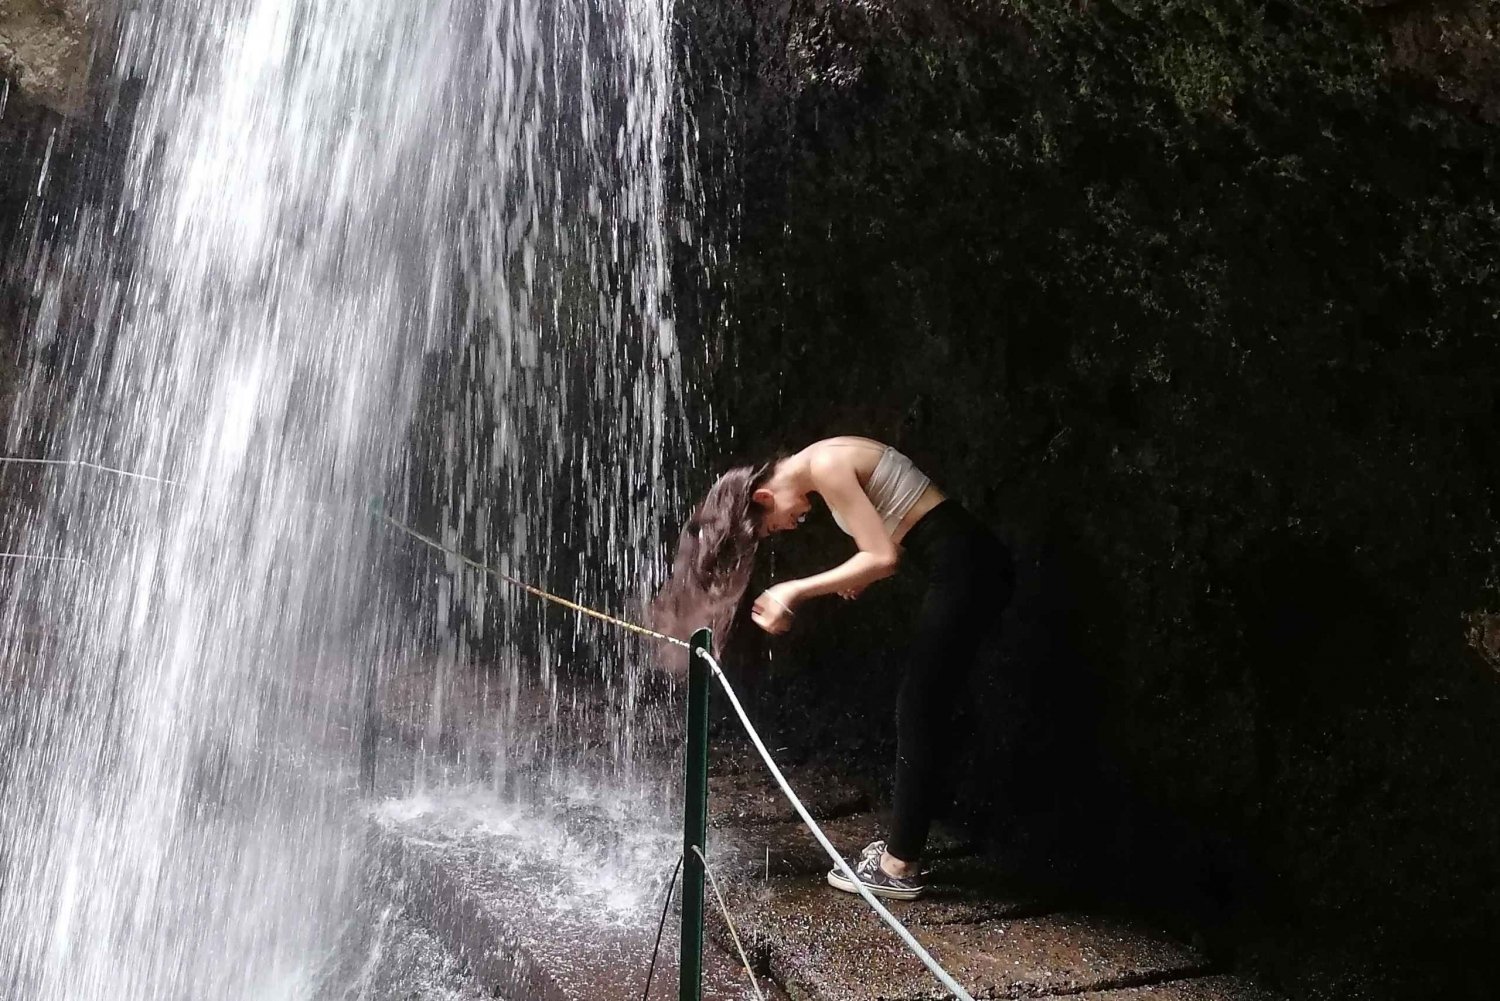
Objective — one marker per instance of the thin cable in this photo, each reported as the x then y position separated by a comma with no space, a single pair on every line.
424,539
48,559
85,464
838,860
665,904
124,472
530,588
724,909
38,462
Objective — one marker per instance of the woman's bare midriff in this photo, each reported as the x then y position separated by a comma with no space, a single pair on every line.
864,466
931,498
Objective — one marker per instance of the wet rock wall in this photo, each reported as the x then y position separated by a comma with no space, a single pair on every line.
65,121
59,129
1196,303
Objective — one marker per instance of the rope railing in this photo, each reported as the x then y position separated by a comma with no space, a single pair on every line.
374,509
942,975
734,935
723,912
531,589
15,460
700,650
817,832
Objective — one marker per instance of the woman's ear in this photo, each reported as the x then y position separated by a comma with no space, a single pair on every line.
764,497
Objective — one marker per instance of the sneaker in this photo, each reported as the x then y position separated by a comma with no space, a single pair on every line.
875,879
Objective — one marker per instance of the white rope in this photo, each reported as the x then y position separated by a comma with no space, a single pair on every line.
941,974
724,910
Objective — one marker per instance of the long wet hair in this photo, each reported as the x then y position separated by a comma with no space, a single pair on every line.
715,558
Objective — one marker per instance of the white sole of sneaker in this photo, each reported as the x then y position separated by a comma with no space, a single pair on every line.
838,882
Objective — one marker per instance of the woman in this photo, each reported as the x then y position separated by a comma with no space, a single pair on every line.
894,514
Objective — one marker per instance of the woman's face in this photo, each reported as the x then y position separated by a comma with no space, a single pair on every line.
782,507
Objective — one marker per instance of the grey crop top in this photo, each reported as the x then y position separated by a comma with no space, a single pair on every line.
894,487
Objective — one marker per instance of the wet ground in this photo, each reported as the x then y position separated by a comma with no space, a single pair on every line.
535,903
401,959
522,924
1000,930
520,905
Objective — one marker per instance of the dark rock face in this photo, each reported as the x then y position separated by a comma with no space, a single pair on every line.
25,131
1448,47
46,132
45,47
1196,304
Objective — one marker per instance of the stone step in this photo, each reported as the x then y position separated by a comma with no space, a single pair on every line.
994,930
1216,988
502,920
967,886
829,946
1000,932
393,956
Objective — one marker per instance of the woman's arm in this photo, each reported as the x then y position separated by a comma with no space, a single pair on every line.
877,558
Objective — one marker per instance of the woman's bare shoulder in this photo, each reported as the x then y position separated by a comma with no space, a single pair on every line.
847,441
853,451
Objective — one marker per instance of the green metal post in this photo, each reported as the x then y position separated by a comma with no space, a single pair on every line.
694,821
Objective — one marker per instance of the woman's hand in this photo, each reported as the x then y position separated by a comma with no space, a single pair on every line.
773,610
850,593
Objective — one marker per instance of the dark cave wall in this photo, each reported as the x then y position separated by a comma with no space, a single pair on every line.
1197,303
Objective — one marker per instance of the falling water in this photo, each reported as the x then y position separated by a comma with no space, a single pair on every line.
546,443
359,248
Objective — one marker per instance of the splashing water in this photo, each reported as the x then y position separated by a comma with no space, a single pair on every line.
359,247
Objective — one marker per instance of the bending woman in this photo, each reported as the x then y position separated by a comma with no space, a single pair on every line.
895,516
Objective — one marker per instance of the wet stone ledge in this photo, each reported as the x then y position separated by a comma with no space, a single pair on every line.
999,932
497,915
1003,931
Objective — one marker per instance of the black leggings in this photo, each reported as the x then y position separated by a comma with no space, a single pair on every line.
970,576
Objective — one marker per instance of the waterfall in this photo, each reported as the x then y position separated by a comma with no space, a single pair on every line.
357,248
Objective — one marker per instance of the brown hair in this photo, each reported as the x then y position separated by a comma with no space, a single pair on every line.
715,557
